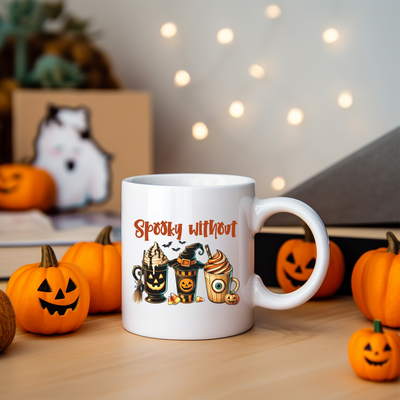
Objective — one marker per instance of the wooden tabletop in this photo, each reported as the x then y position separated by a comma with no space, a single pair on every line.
296,354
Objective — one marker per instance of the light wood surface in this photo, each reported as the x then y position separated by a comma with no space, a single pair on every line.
336,231
296,354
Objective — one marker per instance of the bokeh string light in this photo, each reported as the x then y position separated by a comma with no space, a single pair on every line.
182,78
225,36
345,99
273,11
256,71
295,116
199,130
278,183
330,35
168,30
236,109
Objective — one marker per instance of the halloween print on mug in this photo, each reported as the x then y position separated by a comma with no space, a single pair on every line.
65,148
152,276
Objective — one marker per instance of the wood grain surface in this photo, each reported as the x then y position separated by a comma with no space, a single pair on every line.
296,354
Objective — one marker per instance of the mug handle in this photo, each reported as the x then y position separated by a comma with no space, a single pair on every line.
236,287
260,211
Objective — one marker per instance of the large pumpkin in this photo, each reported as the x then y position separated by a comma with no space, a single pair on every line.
375,355
24,187
296,261
49,296
375,283
101,262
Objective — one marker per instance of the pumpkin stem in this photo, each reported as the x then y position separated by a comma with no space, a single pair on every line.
308,236
104,236
49,258
378,326
393,243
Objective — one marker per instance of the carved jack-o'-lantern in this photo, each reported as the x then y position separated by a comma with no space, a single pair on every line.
50,296
375,355
156,281
186,285
296,261
232,298
24,187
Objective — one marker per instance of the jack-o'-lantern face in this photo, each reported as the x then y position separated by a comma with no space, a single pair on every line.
24,187
298,267
377,352
9,182
186,285
156,281
374,354
62,301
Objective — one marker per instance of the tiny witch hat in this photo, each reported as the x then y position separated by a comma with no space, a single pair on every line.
187,259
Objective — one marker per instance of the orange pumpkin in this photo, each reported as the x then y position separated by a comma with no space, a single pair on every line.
232,298
101,262
375,283
7,321
49,297
23,187
296,260
375,355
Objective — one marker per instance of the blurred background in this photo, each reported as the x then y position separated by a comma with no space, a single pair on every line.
276,91
300,70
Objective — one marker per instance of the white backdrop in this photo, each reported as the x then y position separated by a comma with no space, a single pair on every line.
301,71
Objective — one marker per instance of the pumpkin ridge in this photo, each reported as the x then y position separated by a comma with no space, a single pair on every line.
376,276
358,276
392,300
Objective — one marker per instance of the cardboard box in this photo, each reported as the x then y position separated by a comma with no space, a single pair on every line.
121,123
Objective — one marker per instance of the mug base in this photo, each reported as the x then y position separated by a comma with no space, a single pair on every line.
155,300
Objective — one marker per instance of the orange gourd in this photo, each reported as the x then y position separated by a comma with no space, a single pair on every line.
49,296
232,298
375,283
24,187
296,260
7,321
101,262
375,355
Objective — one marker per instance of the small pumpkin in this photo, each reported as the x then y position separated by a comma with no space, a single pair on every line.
375,283
49,296
101,262
296,261
232,298
24,187
375,355
7,321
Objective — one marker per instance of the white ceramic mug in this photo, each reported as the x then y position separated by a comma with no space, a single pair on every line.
178,228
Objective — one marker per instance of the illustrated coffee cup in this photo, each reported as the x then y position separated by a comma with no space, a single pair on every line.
218,274
167,222
154,272
186,267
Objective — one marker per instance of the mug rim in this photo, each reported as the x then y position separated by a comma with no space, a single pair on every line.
190,180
